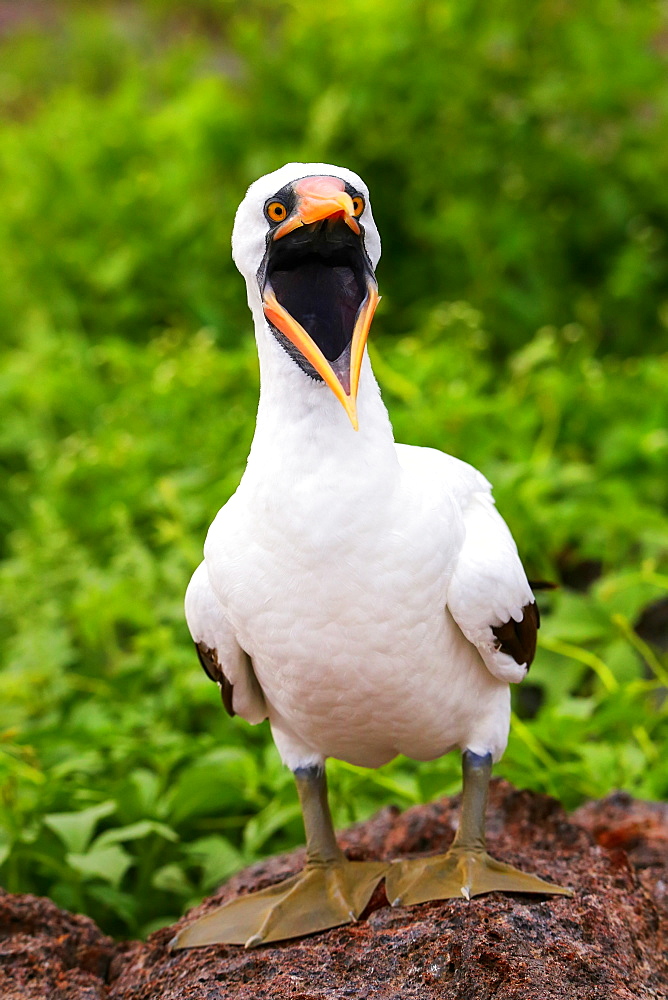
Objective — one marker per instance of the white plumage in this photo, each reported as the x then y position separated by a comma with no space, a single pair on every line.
352,570
361,595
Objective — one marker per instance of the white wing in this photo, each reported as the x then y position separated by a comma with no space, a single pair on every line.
220,654
489,595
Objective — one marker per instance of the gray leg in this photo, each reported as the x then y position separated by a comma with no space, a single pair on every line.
321,845
476,772
466,869
330,890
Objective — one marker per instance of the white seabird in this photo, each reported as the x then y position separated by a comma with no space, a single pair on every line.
364,596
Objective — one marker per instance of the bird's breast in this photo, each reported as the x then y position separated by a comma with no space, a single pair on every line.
310,577
341,611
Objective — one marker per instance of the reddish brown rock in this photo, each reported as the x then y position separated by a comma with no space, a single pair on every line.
46,952
605,943
641,830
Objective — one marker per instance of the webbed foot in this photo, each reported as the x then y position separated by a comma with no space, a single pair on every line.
320,897
460,872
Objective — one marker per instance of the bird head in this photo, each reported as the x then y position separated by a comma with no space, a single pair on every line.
306,243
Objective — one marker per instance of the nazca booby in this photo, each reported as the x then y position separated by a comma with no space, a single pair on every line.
364,596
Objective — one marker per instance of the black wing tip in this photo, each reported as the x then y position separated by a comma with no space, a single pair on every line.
213,670
518,639
226,693
208,661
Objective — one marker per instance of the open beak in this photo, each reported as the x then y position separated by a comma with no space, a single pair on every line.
319,290
343,381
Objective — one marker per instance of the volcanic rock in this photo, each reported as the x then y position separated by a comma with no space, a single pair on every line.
609,941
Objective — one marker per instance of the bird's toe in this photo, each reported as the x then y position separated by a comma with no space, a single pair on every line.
460,873
320,897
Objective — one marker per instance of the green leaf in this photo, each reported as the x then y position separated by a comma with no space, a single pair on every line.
135,831
75,829
107,863
224,778
124,904
171,878
217,857
262,827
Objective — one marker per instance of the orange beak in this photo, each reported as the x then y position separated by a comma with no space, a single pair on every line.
320,198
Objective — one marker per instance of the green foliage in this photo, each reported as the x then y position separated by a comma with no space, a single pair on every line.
517,159
521,171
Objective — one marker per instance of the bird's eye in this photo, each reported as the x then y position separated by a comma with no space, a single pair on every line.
275,211
358,205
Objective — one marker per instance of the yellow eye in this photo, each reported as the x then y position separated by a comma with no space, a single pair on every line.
358,205
276,211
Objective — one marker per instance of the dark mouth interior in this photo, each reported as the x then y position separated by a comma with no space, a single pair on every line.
317,273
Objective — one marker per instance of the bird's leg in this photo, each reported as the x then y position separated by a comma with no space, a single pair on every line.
328,892
466,869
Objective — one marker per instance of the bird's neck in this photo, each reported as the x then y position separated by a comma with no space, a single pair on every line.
303,430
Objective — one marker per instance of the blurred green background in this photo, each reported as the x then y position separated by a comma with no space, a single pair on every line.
517,159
